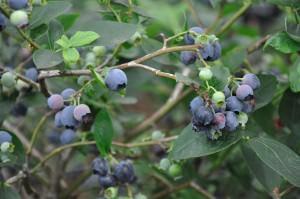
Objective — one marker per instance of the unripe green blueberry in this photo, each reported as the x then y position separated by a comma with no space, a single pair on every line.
140,196
242,118
8,80
83,80
205,74
5,146
111,193
19,18
157,135
99,51
21,85
90,58
175,170
164,164
135,37
218,98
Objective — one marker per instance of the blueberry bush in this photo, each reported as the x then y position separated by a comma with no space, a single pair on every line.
136,99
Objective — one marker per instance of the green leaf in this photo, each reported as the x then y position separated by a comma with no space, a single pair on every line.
6,105
44,14
64,42
81,38
103,131
43,58
234,58
7,192
289,110
282,42
71,55
220,77
112,33
278,157
294,76
290,3
190,144
293,30
68,20
264,174
39,31
265,93
56,30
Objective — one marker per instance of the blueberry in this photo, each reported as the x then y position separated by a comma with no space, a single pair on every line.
5,137
244,92
107,181
21,85
218,98
55,102
207,52
80,111
67,93
205,74
90,58
218,107
67,136
19,110
32,74
251,80
2,22
188,57
175,170
188,38
203,115
5,146
231,121
196,103
19,18
227,92
100,166
67,117
116,80
54,137
8,80
164,164
199,127
219,121
17,4
233,104
99,51
124,172
243,118
248,106
57,120
217,51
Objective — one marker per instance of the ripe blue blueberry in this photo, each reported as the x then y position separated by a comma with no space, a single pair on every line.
207,52
116,80
227,92
231,121
188,57
188,38
248,106
196,103
67,136
219,121
19,109
17,4
203,115
80,111
57,120
67,117
32,74
67,93
124,172
244,92
54,137
107,181
100,166
2,22
217,51
251,80
5,137
233,104
55,102
19,18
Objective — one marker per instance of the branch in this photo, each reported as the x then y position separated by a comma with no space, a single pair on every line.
258,44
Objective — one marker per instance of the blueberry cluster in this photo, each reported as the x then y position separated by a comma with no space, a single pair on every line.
67,115
210,50
226,110
6,145
121,173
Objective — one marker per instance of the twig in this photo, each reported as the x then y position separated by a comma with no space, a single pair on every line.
286,191
258,44
198,188
16,178
29,81
166,192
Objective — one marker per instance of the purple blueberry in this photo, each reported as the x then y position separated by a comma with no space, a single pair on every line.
248,106
203,115
251,80
188,38
107,181
100,166
80,111
67,117
207,52
67,136
5,137
231,121
19,109
219,121
188,57
196,103
217,51
116,80
124,172
17,4
32,74
55,102
2,22
227,92
67,93
244,92
234,104
57,120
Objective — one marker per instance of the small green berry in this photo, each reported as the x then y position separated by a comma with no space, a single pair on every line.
140,196
175,170
19,18
8,80
157,135
242,118
205,74
5,146
21,85
99,51
90,58
164,164
83,80
218,98
111,193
